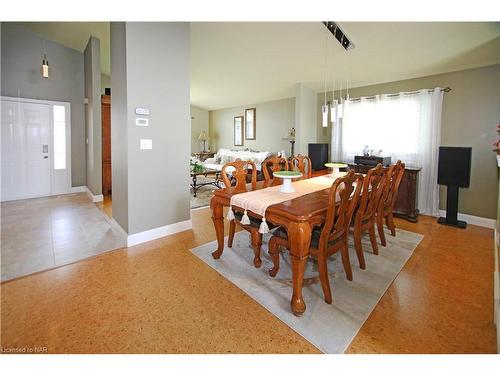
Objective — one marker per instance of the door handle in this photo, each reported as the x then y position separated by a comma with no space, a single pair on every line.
45,157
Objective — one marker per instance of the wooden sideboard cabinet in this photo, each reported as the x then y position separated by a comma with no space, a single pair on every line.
406,203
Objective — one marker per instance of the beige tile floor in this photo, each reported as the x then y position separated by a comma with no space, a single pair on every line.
43,233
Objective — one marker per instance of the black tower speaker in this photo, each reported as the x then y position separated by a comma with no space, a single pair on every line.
454,172
318,152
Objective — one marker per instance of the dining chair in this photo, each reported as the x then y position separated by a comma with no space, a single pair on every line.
393,176
330,237
302,164
238,171
365,213
274,165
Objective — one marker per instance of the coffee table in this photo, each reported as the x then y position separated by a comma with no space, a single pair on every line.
205,172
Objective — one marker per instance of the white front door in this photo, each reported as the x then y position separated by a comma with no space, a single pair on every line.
26,150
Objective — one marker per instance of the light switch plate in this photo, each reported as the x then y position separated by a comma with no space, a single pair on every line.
142,111
146,144
141,121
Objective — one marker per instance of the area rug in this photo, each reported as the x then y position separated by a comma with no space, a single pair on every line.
330,328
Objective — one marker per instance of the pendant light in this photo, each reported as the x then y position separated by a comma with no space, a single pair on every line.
324,107
340,107
333,106
45,67
44,70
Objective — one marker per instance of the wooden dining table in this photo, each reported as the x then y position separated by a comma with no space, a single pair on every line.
298,216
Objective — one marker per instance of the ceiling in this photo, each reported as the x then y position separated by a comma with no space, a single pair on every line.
248,62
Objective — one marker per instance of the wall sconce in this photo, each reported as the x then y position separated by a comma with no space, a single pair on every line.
45,67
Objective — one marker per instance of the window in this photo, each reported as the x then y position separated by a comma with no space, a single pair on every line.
59,137
405,126
390,124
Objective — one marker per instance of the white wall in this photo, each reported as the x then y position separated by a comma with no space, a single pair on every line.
199,123
273,120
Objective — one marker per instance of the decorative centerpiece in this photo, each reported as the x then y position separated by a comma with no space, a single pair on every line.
287,177
335,167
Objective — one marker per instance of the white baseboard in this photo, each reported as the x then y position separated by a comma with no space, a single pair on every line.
474,220
94,198
152,234
78,189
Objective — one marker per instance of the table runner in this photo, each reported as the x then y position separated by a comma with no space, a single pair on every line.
257,201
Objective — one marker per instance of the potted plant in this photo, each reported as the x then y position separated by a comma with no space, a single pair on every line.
196,165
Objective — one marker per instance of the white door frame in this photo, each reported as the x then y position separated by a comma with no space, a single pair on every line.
67,106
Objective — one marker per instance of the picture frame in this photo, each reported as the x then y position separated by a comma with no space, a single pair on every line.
250,124
238,130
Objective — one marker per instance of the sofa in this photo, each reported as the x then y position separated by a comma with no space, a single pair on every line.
225,155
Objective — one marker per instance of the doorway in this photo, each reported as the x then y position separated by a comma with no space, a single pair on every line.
36,153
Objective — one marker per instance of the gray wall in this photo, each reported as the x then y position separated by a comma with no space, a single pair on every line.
305,117
199,123
470,114
105,82
20,71
119,133
273,119
92,68
158,179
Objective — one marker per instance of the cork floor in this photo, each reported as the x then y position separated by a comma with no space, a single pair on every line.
157,297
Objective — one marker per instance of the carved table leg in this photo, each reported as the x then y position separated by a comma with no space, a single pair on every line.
256,239
218,219
299,235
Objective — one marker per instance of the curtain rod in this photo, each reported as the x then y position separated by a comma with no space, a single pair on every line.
446,89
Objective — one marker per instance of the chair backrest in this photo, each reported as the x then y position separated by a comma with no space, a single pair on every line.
343,198
274,165
393,176
238,170
372,192
300,163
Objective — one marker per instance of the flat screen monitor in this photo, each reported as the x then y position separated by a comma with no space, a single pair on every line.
454,166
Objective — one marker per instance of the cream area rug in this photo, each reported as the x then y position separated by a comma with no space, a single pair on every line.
330,328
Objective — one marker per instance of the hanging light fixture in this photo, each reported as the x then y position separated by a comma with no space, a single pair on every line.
333,106
324,107
44,70
340,106
45,67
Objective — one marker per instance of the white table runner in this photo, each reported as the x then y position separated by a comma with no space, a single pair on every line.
257,201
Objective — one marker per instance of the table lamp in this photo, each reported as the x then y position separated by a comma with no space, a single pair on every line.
203,137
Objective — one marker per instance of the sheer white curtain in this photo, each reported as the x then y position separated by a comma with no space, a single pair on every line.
406,127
